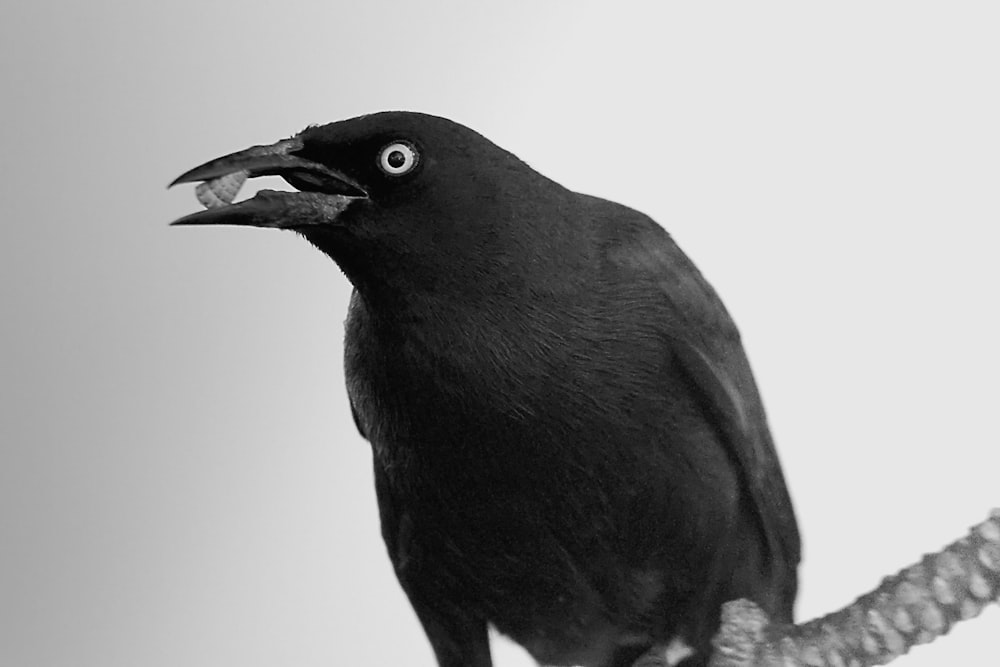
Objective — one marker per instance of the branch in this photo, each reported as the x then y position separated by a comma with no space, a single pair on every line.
915,606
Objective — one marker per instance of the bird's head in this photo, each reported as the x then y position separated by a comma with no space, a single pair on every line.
400,200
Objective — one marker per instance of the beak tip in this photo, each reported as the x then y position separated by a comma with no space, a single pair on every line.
182,221
186,177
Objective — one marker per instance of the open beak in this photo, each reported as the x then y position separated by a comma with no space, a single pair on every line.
323,192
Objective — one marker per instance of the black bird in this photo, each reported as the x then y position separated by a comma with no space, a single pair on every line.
568,441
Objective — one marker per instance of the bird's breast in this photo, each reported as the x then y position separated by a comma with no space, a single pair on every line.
536,467
474,417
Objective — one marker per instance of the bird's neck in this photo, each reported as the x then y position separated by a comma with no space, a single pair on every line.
428,332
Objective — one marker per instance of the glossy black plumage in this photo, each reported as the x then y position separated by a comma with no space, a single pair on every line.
568,442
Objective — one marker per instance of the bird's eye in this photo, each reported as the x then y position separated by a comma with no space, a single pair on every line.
397,158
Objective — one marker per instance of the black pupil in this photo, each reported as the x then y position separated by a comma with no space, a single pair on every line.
396,159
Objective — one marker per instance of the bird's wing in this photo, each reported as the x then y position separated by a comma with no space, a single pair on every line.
738,415
703,339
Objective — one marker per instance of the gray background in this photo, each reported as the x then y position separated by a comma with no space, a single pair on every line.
180,481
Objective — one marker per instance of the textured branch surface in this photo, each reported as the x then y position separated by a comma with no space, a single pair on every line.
915,606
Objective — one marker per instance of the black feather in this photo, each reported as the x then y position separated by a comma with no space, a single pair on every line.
568,441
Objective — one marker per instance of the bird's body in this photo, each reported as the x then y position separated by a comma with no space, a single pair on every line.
568,443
